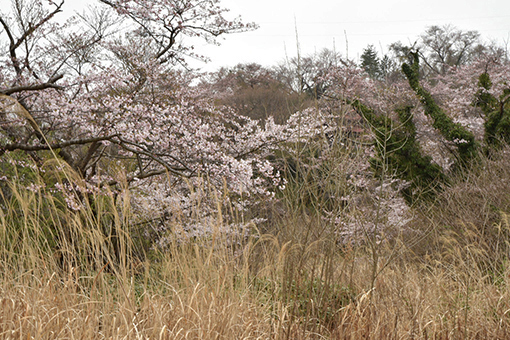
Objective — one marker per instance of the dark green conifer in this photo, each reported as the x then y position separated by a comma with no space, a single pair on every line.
370,62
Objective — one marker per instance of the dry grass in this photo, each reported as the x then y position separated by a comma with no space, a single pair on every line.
408,302
275,287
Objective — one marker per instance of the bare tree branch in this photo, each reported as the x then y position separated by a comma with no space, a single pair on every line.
33,28
82,166
14,44
28,147
12,51
49,84
141,150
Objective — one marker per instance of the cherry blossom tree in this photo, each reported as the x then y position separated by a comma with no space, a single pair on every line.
101,75
476,96
108,95
163,23
102,93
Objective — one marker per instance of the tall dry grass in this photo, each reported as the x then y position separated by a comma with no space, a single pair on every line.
61,278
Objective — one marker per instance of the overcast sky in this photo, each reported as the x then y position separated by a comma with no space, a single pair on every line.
347,26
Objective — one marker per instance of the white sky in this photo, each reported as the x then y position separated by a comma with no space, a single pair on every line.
326,24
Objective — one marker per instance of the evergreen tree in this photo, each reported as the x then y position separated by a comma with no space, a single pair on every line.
370,62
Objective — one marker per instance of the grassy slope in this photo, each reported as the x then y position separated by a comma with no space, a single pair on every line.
285,286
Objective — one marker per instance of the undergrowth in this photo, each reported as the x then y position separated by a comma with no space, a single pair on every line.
60,276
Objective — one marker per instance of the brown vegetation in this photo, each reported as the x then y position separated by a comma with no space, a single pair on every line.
297,284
